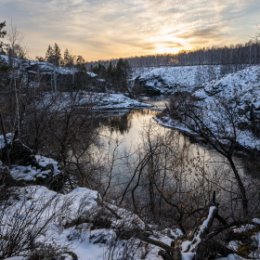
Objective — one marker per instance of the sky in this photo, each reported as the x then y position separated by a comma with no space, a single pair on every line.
104,29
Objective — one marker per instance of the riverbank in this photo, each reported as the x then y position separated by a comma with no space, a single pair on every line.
241,150
58,101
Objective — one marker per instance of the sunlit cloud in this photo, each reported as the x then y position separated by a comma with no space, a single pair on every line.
101,29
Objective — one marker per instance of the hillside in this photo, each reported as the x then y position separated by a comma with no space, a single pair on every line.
238,92
168,80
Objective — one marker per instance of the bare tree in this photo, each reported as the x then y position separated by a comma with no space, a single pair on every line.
220,133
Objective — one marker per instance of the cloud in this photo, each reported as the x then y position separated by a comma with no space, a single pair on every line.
211,32
113,28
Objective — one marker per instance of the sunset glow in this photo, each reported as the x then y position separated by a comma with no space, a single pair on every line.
102,29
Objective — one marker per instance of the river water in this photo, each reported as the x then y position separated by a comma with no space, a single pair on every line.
124,138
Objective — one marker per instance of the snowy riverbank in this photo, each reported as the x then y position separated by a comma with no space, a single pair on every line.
65,100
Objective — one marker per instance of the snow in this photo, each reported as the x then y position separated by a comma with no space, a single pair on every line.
47,68
256,221
254,237
83,238
32,173
119,101
187,256
168,122
189,247
243,84
128,220
9,137
59,101
4,58
45,161
239,91
28,173
92,74
177,78
230,257
44,67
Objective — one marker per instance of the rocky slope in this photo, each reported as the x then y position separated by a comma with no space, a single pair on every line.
237,93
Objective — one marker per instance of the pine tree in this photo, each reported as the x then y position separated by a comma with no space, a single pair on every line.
49,54
110,70
57,55
68,59
53,55
121,74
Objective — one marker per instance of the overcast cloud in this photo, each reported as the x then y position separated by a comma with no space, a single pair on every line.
118,28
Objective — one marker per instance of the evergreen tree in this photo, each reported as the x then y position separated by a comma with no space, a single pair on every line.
53,55
100,70
57,55
49,54
80,62
110,70
121,75
68,59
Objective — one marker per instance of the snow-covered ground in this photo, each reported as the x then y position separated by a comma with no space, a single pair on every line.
236,92
44,67
181,75
43,168
168,80
71,224
64,100
80,222
244,84
32,173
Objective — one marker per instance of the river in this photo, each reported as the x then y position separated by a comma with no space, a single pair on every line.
124,138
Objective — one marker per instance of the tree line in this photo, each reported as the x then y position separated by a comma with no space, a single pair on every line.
247,53
54,55
115,74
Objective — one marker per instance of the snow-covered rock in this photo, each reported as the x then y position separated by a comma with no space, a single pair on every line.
240,91
167,80
38,66
238,94
22,164
48,162
244,84
49,169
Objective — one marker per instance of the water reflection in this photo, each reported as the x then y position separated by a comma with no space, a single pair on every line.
127,132
178,165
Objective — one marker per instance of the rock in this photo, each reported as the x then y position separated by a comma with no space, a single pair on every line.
25,167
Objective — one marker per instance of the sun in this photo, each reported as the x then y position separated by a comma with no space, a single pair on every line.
165,42
161,48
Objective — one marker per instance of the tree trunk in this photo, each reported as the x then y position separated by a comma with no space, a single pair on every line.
240,186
